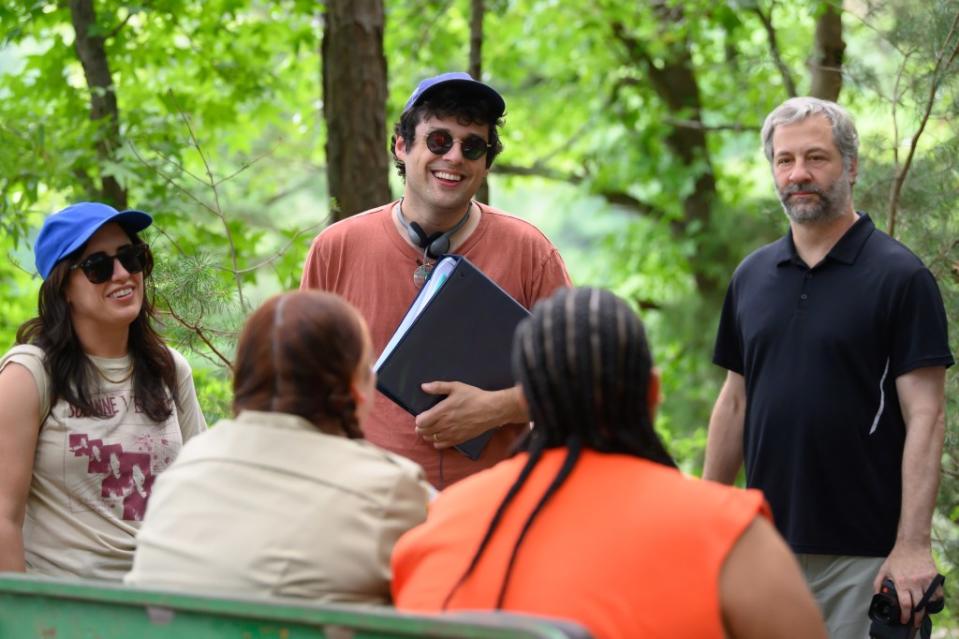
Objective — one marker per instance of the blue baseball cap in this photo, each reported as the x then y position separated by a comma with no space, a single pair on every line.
65,231
459,80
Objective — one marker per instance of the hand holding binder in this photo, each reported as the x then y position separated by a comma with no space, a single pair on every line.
459,328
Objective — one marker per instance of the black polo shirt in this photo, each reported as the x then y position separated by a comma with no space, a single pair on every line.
820,350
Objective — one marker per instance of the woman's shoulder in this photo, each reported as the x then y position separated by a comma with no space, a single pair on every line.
180,362
33,358
391,463
28,355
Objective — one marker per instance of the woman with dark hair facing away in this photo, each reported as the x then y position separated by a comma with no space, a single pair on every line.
593,522
93,404
287,499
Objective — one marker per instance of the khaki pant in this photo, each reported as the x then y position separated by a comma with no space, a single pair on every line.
842,586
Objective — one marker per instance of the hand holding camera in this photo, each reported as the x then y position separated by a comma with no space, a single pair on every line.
885,612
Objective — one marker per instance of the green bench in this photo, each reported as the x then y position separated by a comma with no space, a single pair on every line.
44,608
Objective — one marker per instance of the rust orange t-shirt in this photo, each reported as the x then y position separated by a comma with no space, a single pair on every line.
627,547
364,259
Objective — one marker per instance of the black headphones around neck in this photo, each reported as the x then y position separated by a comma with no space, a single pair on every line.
436,244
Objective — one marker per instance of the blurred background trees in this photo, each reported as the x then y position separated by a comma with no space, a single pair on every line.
631,139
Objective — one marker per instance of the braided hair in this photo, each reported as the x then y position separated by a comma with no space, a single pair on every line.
583,361
298,354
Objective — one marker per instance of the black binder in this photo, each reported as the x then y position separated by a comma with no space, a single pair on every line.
464,333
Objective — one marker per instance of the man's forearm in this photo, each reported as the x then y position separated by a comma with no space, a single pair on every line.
920,479
724,443
724,451
922,399
910,564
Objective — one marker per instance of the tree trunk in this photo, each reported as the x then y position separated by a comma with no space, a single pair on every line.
825,67
477,12
674,81
103,99
354,106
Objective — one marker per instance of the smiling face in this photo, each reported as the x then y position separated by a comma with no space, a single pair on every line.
441,184
113,304
812,182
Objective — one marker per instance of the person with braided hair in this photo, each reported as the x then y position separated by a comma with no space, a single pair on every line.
592,521
287,498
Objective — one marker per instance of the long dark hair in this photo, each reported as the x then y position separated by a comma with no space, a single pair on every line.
584,364
298,354
73,376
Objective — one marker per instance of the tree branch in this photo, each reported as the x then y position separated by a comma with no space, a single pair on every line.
282,251
170,180
938,73
538,170
767,23
115,30
895,114
196,330
278,196
700,126
218,210
619,198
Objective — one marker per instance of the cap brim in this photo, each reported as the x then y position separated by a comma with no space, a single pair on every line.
132,220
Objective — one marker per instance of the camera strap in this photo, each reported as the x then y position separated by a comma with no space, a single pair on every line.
931,607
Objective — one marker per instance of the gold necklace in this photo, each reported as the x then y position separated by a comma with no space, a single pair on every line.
128,375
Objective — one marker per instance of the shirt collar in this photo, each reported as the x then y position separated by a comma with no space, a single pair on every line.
283,421
846,250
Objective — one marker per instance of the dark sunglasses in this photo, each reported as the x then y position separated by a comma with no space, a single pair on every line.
99,267
440,141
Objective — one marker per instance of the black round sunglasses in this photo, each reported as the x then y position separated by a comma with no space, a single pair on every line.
98,267
440,141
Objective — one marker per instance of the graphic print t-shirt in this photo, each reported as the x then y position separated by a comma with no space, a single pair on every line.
92,476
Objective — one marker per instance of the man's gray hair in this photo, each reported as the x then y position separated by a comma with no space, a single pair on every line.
796,110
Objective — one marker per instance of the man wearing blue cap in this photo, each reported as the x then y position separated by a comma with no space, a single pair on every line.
443,146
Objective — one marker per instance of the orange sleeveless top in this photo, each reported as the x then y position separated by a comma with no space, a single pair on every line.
626,547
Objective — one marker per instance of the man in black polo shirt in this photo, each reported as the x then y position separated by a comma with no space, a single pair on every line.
834,339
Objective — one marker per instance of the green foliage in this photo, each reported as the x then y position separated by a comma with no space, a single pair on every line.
222,142
19,303
206,92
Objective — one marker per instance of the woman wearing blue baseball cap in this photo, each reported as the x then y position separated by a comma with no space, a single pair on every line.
93,404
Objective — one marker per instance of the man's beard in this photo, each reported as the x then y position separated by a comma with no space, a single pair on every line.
829,205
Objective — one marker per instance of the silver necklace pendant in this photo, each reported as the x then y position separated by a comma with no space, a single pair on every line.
421,274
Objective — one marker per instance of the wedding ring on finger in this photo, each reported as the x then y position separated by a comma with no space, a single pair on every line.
436,437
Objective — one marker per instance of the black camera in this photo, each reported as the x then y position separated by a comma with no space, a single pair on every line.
884,611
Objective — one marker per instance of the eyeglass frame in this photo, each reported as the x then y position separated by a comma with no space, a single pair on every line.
139,251
441,150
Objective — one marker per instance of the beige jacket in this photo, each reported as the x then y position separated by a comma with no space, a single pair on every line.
266,504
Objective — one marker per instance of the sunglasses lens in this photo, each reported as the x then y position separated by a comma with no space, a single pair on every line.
474,147
133,257
98,268
439,142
